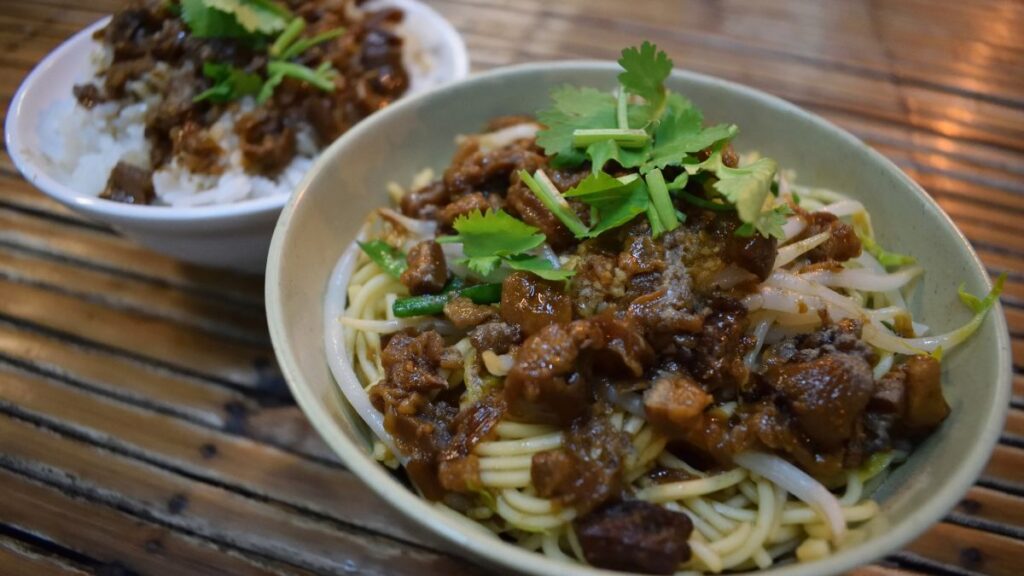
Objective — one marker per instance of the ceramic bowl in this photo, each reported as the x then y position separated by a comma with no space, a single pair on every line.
229,235
350,178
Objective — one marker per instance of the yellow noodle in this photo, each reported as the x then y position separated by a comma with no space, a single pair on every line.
505,478
528,504
691,488
506,462
521,446
533,522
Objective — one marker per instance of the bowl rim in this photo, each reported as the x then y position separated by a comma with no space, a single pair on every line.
420,511
39,177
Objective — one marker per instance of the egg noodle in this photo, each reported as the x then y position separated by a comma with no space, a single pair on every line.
753,515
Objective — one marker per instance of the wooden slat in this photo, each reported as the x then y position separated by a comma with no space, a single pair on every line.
996,508
238,363
124,345
212,512
114,538
240,463
121,377
214,316
969,549
1004,468
16,558
110,251
16,192
881,571
1015,424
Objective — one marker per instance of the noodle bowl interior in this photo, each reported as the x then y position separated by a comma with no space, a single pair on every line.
606,337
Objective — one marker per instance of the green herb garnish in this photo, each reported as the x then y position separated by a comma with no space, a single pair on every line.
545,191
614,201
230,83
648,128
389,258
432,304
256,22
493,237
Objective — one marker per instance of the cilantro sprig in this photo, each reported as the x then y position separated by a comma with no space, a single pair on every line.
264,24
490,239
230,83
646,128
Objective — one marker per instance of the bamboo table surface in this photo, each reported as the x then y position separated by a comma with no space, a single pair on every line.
144,427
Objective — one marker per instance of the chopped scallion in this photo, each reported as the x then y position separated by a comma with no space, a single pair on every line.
295,27
660,199
298,71
623,111
625,138
306,43
431,304
545,191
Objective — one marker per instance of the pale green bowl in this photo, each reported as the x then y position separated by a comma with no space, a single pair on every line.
350,178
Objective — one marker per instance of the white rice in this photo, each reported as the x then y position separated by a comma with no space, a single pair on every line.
84,146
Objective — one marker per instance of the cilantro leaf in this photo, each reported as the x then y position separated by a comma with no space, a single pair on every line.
482,265
681,134
539,266
601,152
255,16
747,187
573,108
230,83
769,224
490,238
389,258
615,201
644,72
207,22
494,233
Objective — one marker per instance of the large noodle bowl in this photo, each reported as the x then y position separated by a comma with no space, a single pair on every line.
625,366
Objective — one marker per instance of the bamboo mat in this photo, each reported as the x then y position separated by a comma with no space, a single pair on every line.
144,427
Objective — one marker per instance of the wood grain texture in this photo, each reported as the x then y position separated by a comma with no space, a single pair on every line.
144,427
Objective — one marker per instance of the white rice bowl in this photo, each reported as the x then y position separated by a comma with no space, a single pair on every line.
83,145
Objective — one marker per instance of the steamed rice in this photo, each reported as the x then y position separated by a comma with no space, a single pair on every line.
84,145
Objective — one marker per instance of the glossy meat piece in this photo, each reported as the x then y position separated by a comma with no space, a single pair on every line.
717,358
414,362
267,143
464,314
842,245
474,424
625,352
755,254
428,271
498,337
532,303
196,149
544,385
587,471
460,475
635,536
843,336
88,95
674,403
120,73
463,206
426,201
129,184
926,407
827,396
476,170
